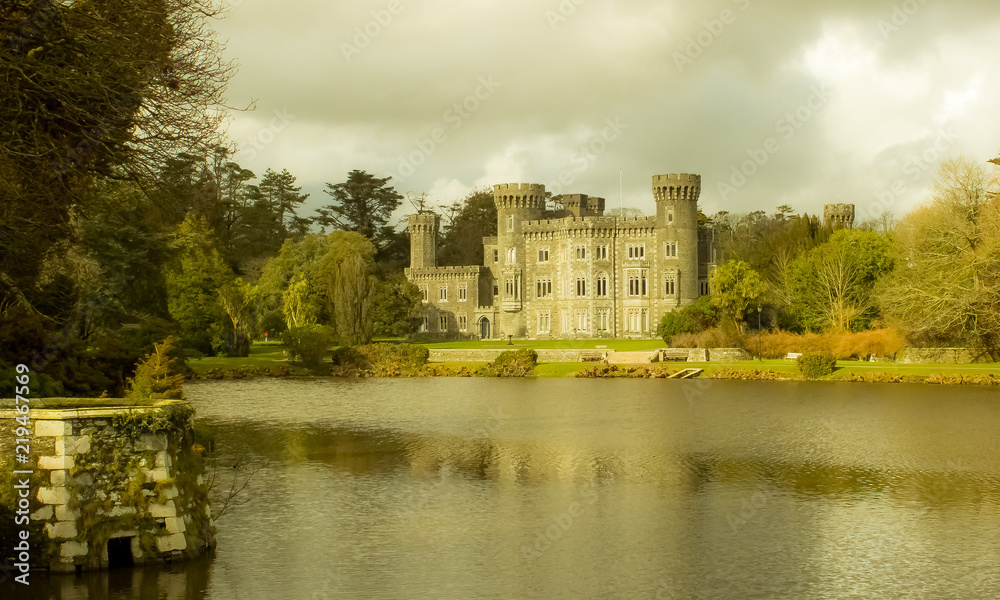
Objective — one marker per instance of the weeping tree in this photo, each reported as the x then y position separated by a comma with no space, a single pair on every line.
353,295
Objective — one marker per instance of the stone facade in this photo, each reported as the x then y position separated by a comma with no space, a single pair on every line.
114,486
838,215
570,272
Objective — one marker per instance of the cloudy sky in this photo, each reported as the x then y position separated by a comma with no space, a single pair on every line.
771,101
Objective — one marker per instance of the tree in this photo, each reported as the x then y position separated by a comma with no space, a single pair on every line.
735,286
241,302
831,285
278,192
353,301
697,316
362,204
192,289
271,218
290,282
105,89
396,307
467,222
946,286
324,279
295,306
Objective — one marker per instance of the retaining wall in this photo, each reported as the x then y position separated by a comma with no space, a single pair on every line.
120,478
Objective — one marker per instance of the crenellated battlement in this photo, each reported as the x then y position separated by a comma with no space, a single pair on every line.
425,223
444,273
676,186
519,188
519,195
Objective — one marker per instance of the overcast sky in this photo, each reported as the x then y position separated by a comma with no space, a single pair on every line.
772,102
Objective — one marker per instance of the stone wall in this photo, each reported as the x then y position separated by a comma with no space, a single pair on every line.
579,354
490,354
728,354
130,479
943,356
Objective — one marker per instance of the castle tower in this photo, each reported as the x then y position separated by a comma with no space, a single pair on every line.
838,215
423,239
516,203
677,221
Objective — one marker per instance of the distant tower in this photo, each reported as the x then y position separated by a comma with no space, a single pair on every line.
838,215
582,205
677,218
423,239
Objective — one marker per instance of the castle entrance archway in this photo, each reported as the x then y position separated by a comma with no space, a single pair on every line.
484,328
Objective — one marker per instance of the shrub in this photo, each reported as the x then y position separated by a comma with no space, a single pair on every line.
842,345
512,363
345,356
715,337
155,379
308,344
817,364
392,360
380,360
694,318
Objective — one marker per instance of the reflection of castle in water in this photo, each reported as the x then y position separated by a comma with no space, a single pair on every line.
568,272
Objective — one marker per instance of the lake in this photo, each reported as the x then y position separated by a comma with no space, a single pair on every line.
451,488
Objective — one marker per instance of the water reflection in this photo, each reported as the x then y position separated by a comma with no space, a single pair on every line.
471,488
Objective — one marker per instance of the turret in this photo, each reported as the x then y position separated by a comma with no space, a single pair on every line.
582,205
423,239
676,197
516,202
838,215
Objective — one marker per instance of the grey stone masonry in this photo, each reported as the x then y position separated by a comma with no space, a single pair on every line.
573,272
115,472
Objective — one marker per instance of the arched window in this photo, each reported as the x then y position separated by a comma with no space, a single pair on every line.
602,285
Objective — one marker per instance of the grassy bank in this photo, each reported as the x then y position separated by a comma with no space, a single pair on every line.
269,356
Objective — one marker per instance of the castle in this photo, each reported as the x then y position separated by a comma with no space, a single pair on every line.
571,272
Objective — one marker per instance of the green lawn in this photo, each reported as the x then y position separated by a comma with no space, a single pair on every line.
261,355
617,345
271,355
560,369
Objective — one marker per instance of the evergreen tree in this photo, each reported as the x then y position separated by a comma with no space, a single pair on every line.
364,203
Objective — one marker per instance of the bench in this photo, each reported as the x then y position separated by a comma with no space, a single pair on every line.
793,355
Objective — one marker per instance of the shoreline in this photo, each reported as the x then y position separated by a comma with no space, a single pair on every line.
268,360
930,374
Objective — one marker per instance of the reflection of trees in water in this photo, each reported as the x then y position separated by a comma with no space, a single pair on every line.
370,451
